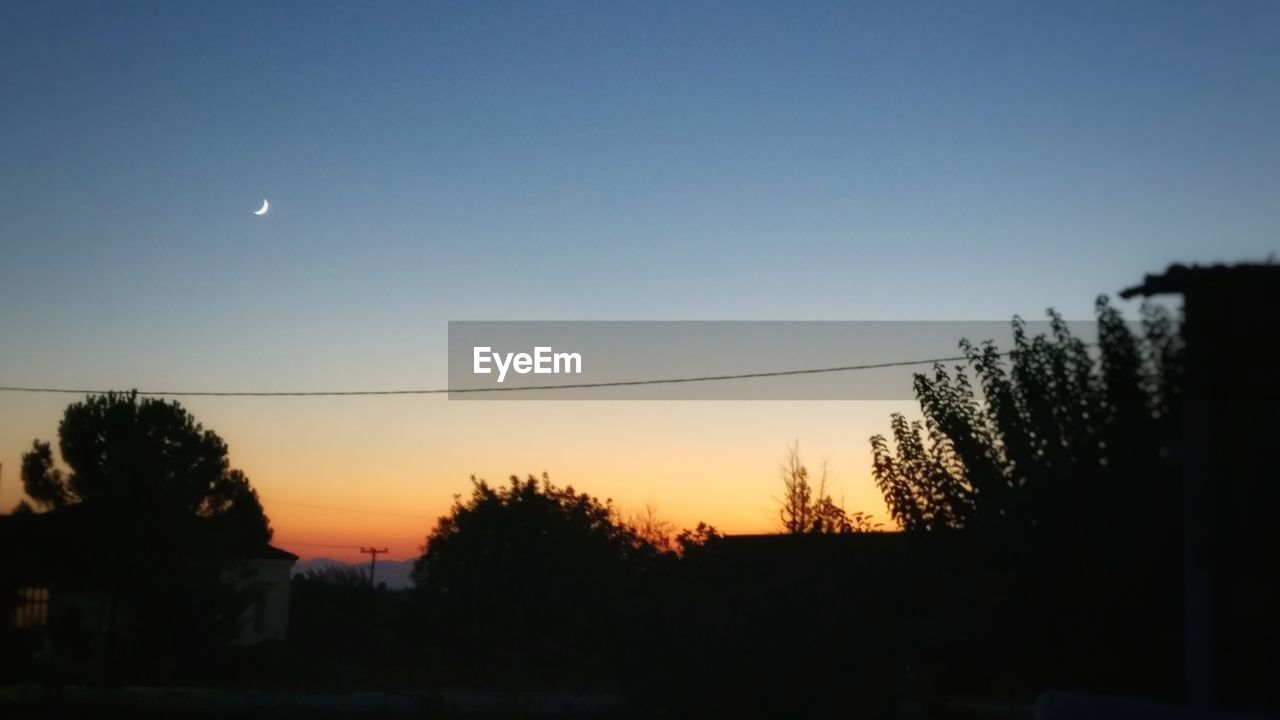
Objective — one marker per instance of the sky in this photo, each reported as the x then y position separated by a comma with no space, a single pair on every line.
428,162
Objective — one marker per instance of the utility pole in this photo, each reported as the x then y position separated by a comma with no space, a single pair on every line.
373,562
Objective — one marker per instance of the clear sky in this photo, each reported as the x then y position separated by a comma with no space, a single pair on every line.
433,161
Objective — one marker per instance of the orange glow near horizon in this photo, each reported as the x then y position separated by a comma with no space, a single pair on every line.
338,474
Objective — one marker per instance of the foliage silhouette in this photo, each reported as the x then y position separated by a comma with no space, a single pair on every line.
1055,438
692,540
652,529
530,576
1062,462
809,509
158,521
339,575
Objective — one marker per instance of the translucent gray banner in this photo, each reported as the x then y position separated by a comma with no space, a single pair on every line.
710,360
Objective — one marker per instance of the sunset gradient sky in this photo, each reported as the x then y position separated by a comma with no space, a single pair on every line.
429,162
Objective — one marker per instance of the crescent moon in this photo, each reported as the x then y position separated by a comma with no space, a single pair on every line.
265,205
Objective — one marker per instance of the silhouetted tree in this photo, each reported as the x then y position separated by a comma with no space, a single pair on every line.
531,577
151,503
809,509
690,540
653,530
1056,435
1059,463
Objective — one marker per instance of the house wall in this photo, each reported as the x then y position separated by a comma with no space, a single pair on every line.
267,618
1233,419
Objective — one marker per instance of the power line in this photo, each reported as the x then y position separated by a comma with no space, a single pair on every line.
318,545
443,391
332,546
269,501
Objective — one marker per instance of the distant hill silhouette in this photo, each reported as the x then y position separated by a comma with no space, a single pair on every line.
395,573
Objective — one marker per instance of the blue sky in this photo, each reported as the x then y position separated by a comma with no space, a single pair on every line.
430,161
437,161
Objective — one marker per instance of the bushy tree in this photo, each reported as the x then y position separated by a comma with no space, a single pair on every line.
521,534
1058,464
530,576
156,518
134,456
691,540
1056,434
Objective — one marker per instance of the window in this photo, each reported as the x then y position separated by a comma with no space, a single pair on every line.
31,609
